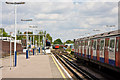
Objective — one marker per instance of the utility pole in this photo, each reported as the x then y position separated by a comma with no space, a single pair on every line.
27,52
15,12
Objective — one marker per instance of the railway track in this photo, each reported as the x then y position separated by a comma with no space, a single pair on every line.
79,73
92,70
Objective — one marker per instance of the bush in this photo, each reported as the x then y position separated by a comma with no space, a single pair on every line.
68,49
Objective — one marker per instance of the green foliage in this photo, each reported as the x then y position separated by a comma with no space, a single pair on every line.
4,33
0,31
19,37
49,37
57,41
41,37
68,49
69,42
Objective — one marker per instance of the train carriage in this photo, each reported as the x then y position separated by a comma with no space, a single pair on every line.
103,49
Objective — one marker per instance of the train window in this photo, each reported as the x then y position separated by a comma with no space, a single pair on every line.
117,45
90,43
102,45
86,43
75,44
98,43
112,49
79,43
112,43
94,45
83,43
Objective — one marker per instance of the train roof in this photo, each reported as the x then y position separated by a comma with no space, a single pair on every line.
111,33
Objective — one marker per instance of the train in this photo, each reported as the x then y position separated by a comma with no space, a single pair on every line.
48,42
101,49
56,46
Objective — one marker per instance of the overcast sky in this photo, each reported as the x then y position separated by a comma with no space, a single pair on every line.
64,20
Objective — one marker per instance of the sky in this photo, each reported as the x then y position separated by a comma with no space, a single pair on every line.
65,20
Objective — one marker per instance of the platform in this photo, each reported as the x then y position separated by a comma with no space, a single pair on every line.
37,66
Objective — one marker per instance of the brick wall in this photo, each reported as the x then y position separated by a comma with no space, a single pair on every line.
6,48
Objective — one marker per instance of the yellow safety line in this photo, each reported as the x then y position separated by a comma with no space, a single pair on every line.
58,67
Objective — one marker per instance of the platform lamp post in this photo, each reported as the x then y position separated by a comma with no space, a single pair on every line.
44,41
39,39
15,12
33,36
28,20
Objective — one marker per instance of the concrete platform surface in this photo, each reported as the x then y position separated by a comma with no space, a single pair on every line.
37,66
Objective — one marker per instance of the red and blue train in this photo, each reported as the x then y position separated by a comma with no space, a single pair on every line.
102,49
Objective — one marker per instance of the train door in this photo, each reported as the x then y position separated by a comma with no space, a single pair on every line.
117,52
98,49
88,49
102,46
91,49
83,48
107,40
111,49
79,48
94,49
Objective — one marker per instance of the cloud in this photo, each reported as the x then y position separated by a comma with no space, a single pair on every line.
63,20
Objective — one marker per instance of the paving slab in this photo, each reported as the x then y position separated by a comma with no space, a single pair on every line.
37,66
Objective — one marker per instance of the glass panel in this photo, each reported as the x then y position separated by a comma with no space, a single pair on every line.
102,45
102,49
83,43
112,44
94,48
94,45
98,45
88,48
90,43
79,43
117,45
83,47
86,43
112,49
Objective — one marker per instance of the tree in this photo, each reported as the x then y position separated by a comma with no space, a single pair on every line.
19,37
0,31
69,42
57,41
49,37
4,33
